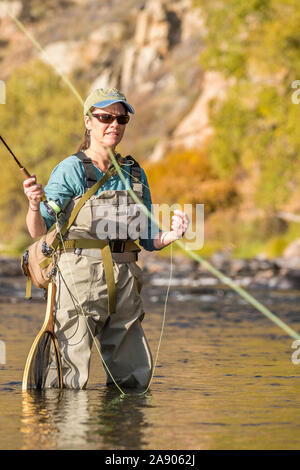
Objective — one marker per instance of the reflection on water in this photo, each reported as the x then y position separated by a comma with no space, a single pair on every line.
120,422
37,424
82,419
224,380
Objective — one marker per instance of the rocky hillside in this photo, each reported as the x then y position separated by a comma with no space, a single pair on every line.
149,49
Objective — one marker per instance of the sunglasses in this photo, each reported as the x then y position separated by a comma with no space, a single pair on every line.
109,118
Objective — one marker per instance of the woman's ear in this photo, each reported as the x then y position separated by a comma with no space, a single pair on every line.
87,122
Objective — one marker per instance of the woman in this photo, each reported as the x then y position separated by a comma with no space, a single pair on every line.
83,284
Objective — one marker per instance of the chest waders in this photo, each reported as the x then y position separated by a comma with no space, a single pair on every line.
98,258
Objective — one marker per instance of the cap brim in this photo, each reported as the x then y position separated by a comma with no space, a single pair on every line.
103,104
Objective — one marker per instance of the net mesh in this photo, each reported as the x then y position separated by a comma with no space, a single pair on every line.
44,370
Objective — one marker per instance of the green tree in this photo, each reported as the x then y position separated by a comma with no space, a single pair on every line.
256,45
42,124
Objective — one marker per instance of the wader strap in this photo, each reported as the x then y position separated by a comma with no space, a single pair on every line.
89,170
107,265
111,171
93,185
136,173
110,278
28,288
83,243
91,243
90,175
106,253
107,259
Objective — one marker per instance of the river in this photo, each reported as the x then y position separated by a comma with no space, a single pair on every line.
224,377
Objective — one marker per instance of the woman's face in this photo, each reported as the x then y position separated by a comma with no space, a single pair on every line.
107,134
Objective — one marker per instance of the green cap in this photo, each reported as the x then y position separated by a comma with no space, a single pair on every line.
103,97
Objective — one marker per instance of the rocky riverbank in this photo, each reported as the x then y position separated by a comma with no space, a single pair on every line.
279,273
256,273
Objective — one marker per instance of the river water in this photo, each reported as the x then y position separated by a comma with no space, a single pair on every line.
224,378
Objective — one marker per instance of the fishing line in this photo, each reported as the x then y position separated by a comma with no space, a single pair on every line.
163,320
228,281
42,51
70,85
225,279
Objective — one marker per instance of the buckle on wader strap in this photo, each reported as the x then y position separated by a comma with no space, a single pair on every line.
117,246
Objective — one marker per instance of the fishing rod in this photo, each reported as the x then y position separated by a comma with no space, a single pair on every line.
26,175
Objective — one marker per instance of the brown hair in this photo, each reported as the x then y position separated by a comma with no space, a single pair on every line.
86,142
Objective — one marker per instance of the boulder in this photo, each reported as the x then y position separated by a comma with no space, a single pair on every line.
65,56
12,7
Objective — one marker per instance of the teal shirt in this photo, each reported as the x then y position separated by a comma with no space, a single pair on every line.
67,181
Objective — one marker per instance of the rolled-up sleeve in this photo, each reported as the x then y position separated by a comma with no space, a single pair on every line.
65,182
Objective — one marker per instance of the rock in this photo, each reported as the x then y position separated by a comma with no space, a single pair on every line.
158,29
263,277
195,129
239,267
127,71
91,53
158,37
65,56
108,33
147,60
192,22
160,150
105,80
12,7
141,29
288,279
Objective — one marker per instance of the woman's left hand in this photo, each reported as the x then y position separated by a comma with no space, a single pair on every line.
180,223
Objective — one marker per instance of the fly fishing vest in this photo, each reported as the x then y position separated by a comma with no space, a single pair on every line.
105,226
108,224
112,215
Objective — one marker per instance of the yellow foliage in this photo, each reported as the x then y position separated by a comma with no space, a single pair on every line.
42,124
186,177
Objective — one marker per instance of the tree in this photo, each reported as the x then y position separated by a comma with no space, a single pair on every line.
41,122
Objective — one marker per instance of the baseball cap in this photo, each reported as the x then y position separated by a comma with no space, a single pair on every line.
102,97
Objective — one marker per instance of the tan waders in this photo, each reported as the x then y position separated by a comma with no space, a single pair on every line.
123,344
85,285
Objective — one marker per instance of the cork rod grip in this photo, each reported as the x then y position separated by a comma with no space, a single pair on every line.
26,175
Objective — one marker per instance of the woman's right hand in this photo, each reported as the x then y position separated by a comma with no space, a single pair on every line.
33,191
